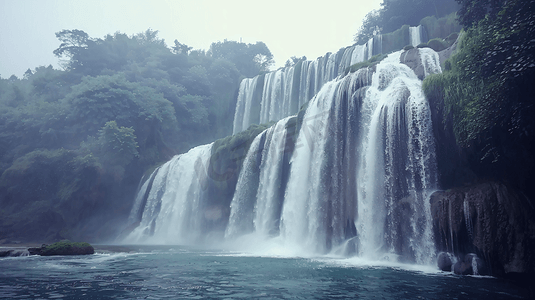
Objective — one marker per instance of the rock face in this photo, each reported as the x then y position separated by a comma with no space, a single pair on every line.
411,58
14,252
487,220
63,248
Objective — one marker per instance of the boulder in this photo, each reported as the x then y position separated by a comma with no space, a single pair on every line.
444,261
411,58
63,248
462,268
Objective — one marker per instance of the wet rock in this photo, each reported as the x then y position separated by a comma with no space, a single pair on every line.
36,250
490,220
411,58
14,252
444,261
63,248
462,268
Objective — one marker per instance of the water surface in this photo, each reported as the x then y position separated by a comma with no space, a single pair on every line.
175,272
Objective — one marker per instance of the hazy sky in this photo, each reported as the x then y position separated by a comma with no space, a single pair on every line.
288,27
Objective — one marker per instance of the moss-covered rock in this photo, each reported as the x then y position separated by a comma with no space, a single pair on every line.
64,247
374,60
438,44
422,45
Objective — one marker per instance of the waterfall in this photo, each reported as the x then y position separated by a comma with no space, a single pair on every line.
244,104
241,206
415,35
302,218
351,173
285,90
256,204
277,95
396,168
268,202
430,61
467,219
319,205
172,211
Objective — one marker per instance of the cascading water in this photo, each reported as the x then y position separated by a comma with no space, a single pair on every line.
245,100
268,201
396,167
285,90
319,205
303,212
354,180
415,35
256,204
173,206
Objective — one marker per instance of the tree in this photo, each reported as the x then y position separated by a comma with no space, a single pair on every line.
261,56
196,81
105,98
118,144
472,11
28,74
393,14
250,59
181,48
73,43
370,27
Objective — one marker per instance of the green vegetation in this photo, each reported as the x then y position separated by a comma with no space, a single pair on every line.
441,27
472,11
67,247
395,14
437,44
228,153
374,60
487,89
396,40
394,19
74,142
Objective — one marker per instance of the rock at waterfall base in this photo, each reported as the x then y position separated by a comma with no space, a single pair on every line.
63,248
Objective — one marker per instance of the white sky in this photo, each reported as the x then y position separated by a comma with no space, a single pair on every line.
288,27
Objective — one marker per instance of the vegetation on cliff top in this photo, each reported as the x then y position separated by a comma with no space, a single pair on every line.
487,88
395,14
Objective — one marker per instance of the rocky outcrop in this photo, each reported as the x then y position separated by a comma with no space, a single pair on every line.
14,252
63,248
489,225
412,59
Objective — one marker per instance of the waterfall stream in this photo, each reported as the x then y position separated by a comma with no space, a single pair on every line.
172,213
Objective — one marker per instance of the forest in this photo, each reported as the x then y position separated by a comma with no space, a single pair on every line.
75,142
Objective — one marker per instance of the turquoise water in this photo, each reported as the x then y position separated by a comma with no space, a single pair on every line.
167,272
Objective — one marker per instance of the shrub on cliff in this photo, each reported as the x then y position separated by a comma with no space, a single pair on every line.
487,91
